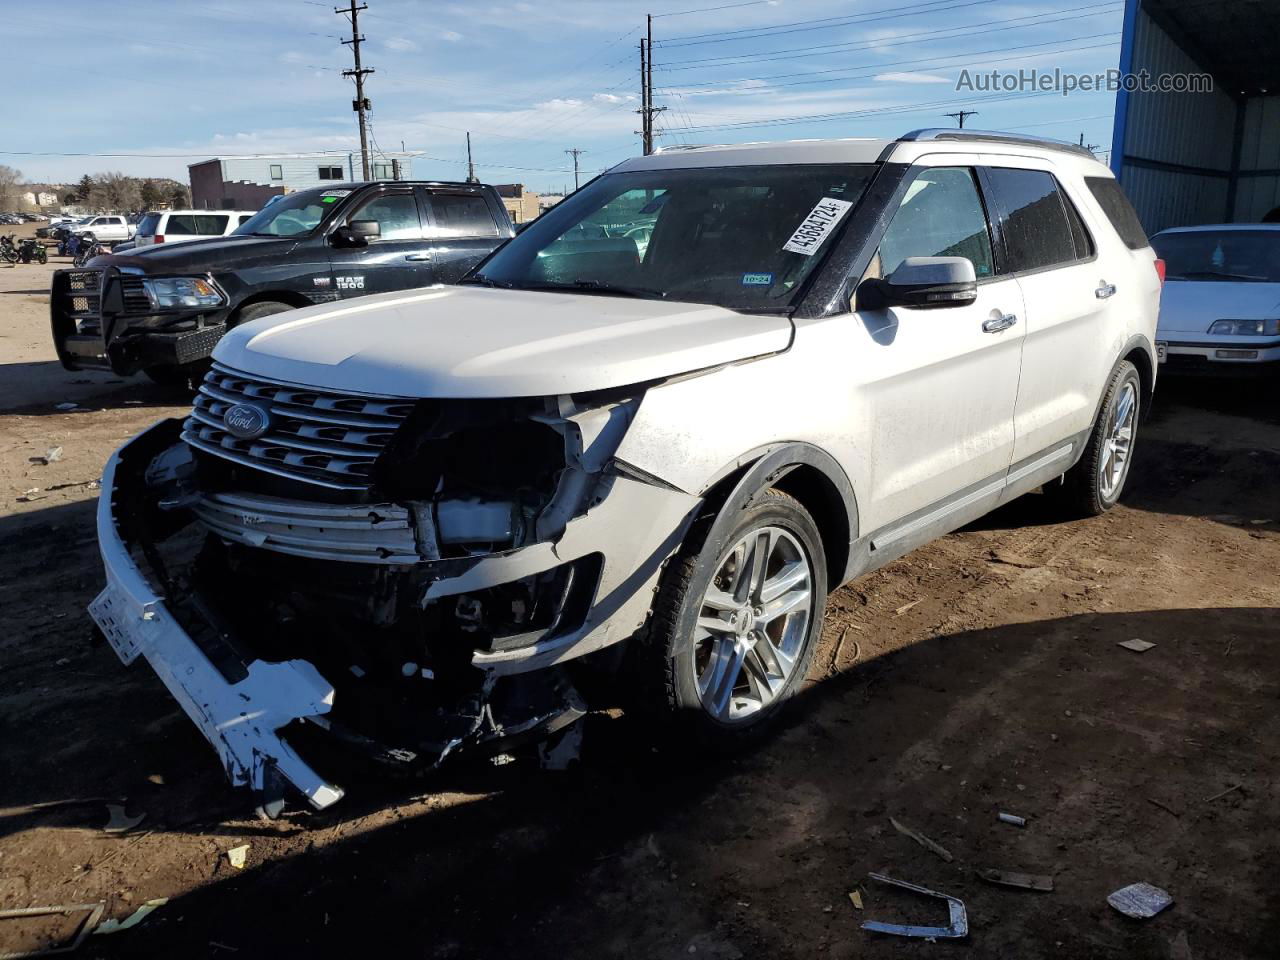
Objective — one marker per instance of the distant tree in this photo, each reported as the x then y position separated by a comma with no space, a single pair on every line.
84,189
70,197
152,194
116,191
9,179
179,197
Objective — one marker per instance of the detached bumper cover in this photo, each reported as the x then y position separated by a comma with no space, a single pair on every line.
240,720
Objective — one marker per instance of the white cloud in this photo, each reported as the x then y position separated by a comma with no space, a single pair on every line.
400,44
611,98
910,78
451,35
293,56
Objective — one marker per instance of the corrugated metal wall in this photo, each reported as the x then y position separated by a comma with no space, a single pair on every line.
1256,196
1179,129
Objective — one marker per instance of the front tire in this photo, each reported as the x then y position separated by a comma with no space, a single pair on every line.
264,308
1093,486
735,623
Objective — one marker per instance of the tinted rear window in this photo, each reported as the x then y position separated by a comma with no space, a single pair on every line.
461,215
196,224
1037,233
147,225
1118,210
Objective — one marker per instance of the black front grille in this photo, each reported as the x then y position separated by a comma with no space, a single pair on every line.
317,436
133,293
82,295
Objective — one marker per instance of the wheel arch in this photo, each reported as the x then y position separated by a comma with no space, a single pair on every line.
1138,352
293,299
810,475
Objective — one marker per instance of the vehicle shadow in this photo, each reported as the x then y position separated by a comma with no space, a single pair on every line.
35,388
644,852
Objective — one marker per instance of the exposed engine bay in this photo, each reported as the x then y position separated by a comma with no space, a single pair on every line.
409,577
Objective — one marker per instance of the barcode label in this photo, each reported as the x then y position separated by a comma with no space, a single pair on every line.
817,226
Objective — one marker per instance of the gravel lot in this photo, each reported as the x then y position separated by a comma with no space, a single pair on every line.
980,674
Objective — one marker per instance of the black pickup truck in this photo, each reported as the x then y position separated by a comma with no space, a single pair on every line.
162,309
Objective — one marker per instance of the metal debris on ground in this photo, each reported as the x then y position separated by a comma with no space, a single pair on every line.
118,821
94,913
855,897
1020,881
1140,900
1136,645
1219,796
956,928
236,856
135,918
921,839
1012,818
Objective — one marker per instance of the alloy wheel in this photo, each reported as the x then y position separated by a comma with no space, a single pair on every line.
1113,465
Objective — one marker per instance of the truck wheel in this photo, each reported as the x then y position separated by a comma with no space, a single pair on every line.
263,308
735,623
1094,484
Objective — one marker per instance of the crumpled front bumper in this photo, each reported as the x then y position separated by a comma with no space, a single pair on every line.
240,720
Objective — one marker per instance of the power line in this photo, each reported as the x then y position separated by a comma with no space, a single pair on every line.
723,6
884,13
959,116
1035,20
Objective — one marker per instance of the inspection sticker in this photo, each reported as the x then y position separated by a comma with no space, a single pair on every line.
757,279
817,226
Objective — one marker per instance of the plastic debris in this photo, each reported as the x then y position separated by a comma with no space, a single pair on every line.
1020,881
30,495
1136,645
855,897
959,919
905,607
921,839
135,918
118,821
1219,796
1140,900
1012,818
66,406
236,856
94,913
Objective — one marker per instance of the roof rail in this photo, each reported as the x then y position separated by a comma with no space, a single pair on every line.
946,133
676,147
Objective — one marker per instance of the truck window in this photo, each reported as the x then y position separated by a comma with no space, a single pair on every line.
1118,210
461,215
396,213
1037,233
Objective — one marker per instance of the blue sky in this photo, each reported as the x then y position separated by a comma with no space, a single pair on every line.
190,80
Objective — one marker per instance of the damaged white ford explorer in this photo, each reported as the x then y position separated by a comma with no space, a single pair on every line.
645,438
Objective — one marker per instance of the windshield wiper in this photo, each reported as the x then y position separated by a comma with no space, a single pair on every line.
600,286
481,280
1215,275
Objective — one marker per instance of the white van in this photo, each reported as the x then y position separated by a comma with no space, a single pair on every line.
175,226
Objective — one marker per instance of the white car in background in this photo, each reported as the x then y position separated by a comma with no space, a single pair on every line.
178,226
1220,312
109,228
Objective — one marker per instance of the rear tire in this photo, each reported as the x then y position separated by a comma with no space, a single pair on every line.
734,626
1094,485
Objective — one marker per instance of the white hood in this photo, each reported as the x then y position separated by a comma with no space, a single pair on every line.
1190,306
483,342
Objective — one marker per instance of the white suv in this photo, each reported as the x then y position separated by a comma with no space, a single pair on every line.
421,520
178,226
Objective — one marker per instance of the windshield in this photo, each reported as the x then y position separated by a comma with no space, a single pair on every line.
292,215
738,237
1220,255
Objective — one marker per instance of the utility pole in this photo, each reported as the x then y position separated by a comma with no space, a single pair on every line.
575,153
471,167
1091,147
644,100
960,115
647,110
361,103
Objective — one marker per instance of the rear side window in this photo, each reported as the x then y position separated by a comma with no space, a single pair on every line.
196,224
1037,232
147,225
1118,210
461,215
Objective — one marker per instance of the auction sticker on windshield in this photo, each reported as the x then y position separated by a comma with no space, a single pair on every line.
817,226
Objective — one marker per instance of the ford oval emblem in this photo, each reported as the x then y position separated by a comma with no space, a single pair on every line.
245,421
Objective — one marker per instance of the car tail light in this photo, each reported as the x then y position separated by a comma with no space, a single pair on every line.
1160,270
159,238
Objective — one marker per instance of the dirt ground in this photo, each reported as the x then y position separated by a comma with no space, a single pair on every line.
980,674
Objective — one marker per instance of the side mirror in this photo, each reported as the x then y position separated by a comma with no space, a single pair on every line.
923,283
357,233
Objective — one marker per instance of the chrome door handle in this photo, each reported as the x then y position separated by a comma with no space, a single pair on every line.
1105,290
417,256
1002,322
